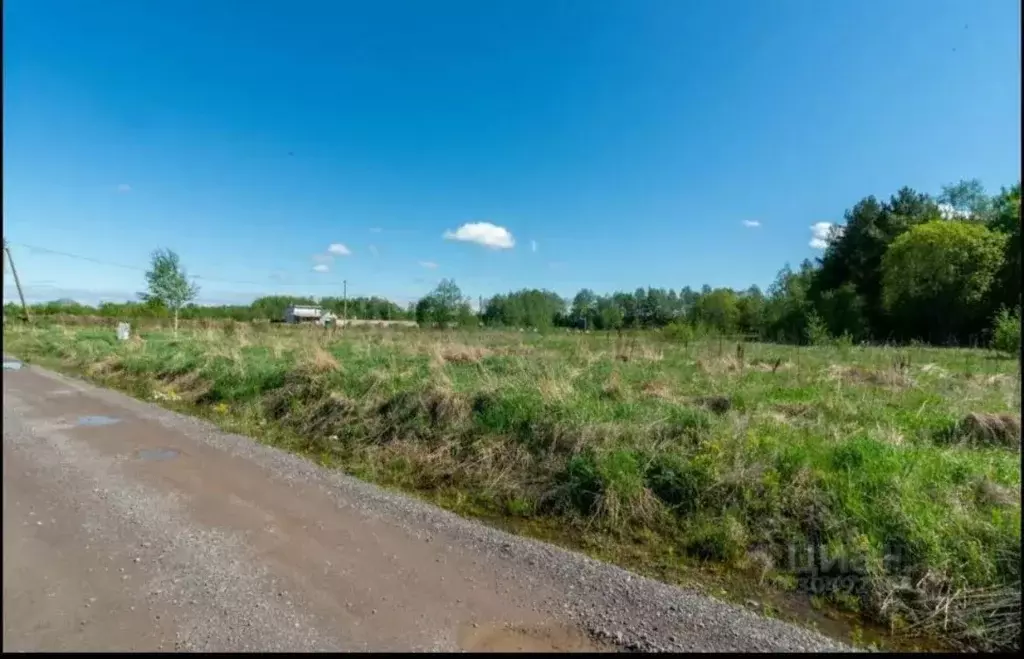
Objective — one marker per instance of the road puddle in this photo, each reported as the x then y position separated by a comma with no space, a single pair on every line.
98,420
156,454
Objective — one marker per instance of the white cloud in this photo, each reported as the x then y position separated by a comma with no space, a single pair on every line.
338,249
373,250
533,246
751,224
950,213
124,187
483,233
375,229
429,265
321,267
821,233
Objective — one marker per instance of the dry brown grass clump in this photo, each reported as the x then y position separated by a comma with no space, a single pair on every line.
935,369
460,353
719,365
105,366
894,378
318,360
982,429
613,388
935,606
658,389
190,386
648,353
555,388
993,493
796,410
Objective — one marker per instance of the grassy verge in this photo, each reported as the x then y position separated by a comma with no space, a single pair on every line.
898,469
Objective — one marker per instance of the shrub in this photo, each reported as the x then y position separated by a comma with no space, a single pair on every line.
816,330
583,482
678,482
1006,332
678,333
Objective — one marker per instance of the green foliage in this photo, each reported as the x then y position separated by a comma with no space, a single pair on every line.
816,330
678,332
936,276
678,482
444,307
1005,218
966,198
168,283
722,539
527,308
1006,332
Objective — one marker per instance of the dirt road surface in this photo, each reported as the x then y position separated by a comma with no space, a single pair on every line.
129,527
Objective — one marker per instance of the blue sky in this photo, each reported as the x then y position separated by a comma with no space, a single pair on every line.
621,144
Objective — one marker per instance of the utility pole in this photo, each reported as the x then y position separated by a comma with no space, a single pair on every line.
24,307
344,308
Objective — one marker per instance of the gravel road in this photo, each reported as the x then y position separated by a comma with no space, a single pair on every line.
129,527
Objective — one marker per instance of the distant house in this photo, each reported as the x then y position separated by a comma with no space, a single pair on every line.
303,314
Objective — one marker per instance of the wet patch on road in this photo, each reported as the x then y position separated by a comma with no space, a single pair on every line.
97,420
156,454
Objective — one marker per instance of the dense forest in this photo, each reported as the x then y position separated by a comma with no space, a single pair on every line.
915,267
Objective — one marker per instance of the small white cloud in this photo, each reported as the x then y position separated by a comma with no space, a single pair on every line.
375,229
124,187
483,233
751,224
338,249
822,232
533,246
321,267
950,213
373,250
429,265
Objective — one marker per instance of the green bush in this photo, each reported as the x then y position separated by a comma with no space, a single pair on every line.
1006,332
817,330
678,482
678,333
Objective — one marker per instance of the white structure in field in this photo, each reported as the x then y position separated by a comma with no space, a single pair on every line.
302,314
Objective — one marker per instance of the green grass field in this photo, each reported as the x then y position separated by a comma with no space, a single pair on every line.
680,461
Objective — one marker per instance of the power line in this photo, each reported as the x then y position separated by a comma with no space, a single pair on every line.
47,250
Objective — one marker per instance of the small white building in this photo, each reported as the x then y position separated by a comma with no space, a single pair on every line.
303,314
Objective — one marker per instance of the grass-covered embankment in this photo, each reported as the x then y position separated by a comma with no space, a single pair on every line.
659,456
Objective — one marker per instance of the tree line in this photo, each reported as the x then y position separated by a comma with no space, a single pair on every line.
914,267
271,307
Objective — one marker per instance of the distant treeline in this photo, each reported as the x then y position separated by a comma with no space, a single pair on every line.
915,267
271,307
